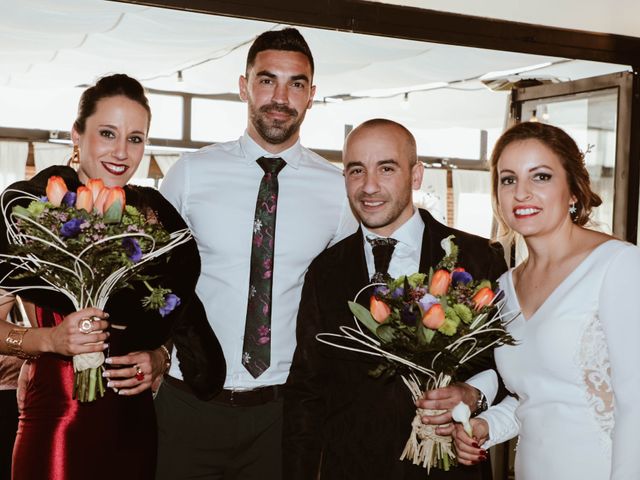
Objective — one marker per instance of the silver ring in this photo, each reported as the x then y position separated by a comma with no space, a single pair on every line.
85,325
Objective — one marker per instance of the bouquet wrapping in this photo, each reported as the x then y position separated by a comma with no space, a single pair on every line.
431,329
84,245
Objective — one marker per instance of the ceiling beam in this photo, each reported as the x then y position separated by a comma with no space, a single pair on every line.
423,25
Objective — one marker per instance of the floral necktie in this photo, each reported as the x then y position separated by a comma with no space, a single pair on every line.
382,251
256,348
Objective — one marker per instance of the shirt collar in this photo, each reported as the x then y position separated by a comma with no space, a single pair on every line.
252,151
409,233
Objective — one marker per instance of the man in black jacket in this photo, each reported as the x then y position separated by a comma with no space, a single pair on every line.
339,422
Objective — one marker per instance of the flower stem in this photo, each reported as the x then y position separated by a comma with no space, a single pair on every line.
148,286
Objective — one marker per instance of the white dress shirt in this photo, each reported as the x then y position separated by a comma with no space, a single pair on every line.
405,261
215,190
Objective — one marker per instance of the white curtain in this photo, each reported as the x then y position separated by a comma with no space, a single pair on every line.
472,201
165,162
432,195
13,160
49,154
143,168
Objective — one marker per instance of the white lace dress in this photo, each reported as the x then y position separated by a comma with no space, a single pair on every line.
576,374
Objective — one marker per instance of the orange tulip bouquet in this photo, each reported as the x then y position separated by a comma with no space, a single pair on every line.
85,245
432,330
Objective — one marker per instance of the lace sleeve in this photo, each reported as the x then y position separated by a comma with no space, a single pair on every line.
620,319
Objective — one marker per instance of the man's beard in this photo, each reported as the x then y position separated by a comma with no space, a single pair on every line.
275,131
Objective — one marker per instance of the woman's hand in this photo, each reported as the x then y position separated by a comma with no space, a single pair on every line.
80,332
23,382
467,448
139,372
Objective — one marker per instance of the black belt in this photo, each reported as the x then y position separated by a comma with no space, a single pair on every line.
235,398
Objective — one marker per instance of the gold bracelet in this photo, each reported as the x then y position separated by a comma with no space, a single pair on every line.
14,344
167,359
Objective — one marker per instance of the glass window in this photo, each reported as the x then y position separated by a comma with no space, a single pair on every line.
472,201
166,112
39,109
216,120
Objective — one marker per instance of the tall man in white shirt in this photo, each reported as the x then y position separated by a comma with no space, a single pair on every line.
341,424
251,277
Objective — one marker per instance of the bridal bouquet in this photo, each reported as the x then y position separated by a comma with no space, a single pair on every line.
430,329
85,245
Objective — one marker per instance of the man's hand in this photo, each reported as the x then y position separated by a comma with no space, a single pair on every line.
445,399
138,371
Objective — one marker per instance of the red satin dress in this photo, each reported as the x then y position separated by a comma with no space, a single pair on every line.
60,438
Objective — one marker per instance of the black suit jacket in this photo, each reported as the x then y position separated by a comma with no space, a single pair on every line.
337,418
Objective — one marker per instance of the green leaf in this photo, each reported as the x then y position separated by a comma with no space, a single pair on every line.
385,332
18,210
481,285
113,213
416,279
364,316
378,371
424,337
464,312
427,333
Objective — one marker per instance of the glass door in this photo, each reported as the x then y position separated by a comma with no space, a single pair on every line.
596,113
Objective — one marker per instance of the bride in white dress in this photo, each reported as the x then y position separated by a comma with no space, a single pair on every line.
575,374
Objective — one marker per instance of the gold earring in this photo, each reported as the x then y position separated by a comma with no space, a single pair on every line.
74,161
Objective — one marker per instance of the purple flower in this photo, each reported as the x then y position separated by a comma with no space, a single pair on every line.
397,293
69,199
408,315
71,228
132,249
461,277
426,301
171,301
381,290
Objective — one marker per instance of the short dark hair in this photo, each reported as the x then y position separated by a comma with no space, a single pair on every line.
105,87
288,39
571,158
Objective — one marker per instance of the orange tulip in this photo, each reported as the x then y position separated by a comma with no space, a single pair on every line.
84,199
440,282
95,185
434,317
483,297
56,190
380,311
114,205
98,203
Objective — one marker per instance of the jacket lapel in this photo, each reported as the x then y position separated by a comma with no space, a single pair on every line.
354,264
430,242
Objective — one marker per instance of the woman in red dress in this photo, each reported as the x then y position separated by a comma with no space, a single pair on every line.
60,438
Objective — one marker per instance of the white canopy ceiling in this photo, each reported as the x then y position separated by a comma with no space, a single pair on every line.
52,46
